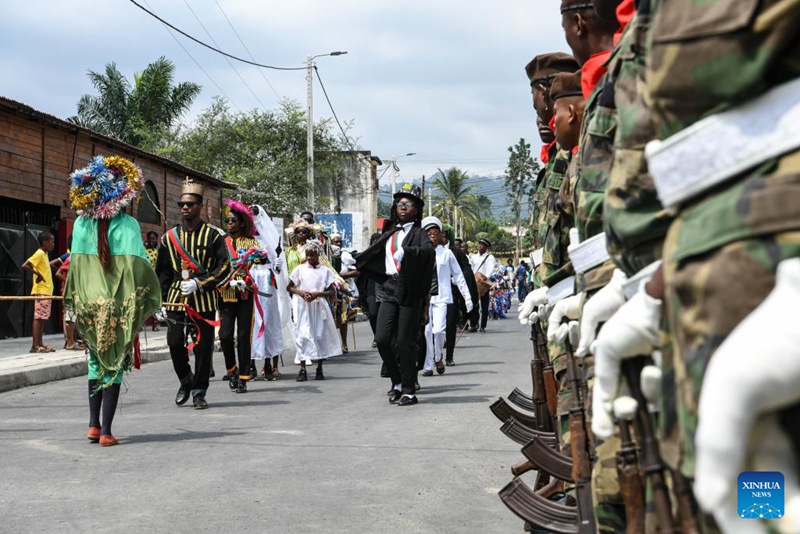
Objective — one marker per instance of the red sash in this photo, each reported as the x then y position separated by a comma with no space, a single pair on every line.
193,264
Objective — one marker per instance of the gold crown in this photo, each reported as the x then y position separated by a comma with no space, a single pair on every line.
191,187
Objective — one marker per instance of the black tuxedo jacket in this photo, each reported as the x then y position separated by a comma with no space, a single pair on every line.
416,280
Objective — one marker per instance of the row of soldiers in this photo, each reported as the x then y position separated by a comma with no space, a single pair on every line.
668,235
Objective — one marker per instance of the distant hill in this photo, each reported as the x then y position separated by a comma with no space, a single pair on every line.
492,187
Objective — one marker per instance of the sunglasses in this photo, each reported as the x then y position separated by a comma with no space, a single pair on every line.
301,231
231,220
406,205
189,204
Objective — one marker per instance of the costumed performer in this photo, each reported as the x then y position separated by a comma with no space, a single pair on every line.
315,331
111,287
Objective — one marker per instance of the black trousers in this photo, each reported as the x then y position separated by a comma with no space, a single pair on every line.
239,316
372,312
397,333
484,312
176,340
451,330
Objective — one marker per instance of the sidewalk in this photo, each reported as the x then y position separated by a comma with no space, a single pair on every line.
20,368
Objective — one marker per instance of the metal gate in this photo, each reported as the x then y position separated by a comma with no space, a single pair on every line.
20,225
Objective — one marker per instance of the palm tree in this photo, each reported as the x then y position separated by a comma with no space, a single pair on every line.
140,114
454,202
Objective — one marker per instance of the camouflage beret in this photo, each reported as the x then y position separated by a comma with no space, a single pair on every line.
566,84
546,66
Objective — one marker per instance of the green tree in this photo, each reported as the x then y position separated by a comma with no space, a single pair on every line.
453,199
141,113
501,240
262,151
519,182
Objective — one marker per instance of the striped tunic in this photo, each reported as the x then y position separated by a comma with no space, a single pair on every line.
241,245
207,246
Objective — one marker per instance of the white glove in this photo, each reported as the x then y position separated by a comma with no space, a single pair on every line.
161,315
632,331
278,265
535,298
570,308
399,254
469,305
239,284
599,309
760,362
188,287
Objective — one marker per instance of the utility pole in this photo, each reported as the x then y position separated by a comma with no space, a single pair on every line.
310,124
396,170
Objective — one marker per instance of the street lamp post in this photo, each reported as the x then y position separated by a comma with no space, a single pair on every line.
310,123
396,169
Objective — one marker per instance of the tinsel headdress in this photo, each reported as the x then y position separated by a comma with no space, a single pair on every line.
104,187
245,214
301,223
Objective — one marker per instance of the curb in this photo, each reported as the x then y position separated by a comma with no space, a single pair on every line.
60,371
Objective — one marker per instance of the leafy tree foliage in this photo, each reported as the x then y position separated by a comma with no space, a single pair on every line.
262,151
141,113
519,182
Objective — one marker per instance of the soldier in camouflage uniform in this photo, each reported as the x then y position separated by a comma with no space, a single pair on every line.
591,39
708,57
550,223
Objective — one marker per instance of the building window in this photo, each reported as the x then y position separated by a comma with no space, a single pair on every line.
149,206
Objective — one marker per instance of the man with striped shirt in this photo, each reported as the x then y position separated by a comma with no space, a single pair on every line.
192,261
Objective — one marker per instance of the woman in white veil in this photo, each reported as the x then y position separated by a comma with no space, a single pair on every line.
273,334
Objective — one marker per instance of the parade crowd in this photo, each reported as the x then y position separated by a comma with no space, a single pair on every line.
659,296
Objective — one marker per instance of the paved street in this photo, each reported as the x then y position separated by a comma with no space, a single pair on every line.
331,456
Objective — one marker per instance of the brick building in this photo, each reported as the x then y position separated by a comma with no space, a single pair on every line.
37,153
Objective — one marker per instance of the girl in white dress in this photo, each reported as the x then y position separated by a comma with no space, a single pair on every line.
317,337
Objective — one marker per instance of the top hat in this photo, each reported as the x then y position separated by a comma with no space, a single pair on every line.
411,191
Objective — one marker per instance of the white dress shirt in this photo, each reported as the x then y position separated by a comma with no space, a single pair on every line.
446,267
487,267
391,267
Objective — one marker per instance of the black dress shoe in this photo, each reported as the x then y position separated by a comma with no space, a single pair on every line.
199,402
302,376
395,396
473,329
319,375
242,386
407,400
427,373
449,363
182,396
440,367
233,382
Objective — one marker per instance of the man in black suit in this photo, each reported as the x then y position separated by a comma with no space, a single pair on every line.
403,260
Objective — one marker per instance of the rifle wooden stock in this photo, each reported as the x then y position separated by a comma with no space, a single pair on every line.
687,508
521,434
538,511
550,384
630,481
522,468
540,388
503,411
579,441
522,400
548,459
651,462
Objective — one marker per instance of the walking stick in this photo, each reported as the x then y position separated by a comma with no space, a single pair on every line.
459,335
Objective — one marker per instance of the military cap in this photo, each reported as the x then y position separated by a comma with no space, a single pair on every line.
566,84
429,222
546,66
485,242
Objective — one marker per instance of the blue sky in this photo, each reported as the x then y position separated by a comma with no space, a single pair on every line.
441,78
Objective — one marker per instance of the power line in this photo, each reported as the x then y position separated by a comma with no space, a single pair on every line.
226,59
246,49
217,50
221,90
346,138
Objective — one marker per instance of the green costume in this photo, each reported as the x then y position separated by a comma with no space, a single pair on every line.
110,306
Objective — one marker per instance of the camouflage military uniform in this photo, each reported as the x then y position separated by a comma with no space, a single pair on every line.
735,235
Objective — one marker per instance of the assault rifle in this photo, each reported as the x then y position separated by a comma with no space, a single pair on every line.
537,510
550,390
579,439
651,462
504,411
630,478
522,400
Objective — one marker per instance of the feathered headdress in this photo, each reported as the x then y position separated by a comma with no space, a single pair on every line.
245,214
301,223
104,187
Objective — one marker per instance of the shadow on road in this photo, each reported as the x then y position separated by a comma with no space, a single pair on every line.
466,399
184,435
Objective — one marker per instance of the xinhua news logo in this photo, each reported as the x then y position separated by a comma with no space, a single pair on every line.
760,495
